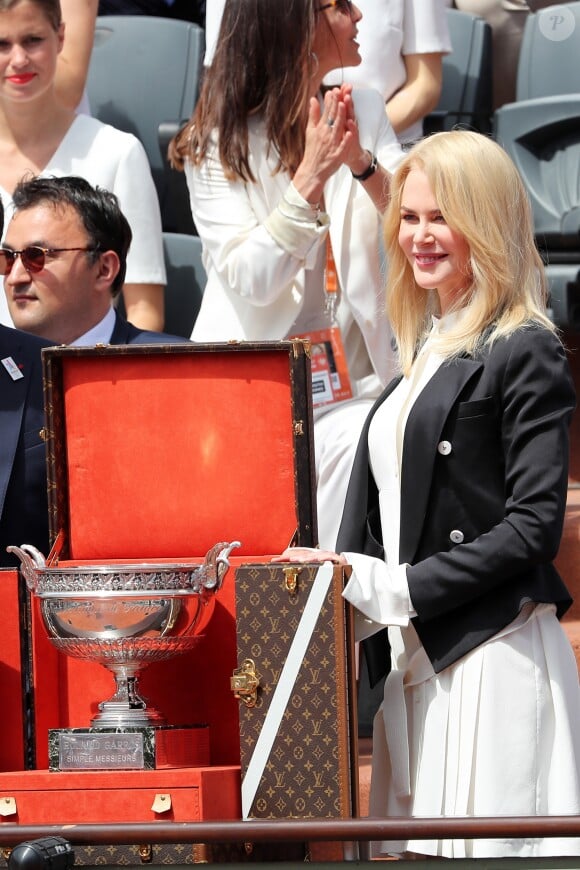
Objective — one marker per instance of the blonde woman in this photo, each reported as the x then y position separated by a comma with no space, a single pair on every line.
454,513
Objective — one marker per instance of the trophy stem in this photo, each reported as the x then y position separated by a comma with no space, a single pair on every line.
126,707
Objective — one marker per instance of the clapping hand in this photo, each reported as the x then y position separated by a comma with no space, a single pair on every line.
332,140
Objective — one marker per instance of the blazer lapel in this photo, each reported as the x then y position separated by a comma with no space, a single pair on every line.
422,434
352,532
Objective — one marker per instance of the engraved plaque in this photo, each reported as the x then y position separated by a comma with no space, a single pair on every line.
141,747
100,751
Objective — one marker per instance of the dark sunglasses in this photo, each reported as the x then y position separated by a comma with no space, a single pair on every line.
344,6
33,257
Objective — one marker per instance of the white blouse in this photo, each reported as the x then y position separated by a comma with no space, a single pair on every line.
385,597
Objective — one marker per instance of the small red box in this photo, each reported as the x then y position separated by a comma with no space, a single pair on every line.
188,795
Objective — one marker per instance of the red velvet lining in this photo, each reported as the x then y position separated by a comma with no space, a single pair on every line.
168,455
11,721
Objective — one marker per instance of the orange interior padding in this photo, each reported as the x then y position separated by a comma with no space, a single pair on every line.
167,455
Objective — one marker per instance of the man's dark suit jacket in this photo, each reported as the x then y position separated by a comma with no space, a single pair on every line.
125,333
483,494
23,499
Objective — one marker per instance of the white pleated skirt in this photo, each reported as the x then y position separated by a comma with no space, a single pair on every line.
496,734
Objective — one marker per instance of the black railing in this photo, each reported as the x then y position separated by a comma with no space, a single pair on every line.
288,830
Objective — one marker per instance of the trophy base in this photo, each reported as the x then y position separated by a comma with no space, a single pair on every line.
139,747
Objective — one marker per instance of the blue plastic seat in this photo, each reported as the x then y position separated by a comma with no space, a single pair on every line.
186,280
466,94
144,78
541,133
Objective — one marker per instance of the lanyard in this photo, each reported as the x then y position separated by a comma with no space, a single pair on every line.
331,286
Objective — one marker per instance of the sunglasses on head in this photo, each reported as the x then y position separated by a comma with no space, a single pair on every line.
344,6
33,257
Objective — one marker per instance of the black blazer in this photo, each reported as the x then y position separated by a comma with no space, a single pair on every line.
23,498
483,495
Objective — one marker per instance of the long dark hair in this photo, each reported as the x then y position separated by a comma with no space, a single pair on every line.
262,66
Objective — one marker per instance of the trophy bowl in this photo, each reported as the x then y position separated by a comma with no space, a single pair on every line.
125,616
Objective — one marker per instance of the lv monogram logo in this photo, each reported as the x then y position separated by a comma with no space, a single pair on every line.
308,748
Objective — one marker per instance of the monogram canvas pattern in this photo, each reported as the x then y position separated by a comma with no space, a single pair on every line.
308,773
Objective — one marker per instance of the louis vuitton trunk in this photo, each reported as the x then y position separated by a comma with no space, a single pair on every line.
295,683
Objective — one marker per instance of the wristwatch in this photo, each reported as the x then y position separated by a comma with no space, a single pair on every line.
370,170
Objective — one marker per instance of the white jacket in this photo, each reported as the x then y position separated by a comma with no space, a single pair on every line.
255,287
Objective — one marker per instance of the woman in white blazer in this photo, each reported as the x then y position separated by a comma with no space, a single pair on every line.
454,514
274,168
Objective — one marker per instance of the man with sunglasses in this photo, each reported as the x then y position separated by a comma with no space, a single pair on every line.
64,260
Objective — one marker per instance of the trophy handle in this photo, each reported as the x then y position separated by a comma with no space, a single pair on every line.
31,560
216,564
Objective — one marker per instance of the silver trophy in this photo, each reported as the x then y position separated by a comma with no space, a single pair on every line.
125,616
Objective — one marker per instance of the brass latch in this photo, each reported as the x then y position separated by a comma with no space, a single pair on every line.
161,803
245,683
291,573
146,853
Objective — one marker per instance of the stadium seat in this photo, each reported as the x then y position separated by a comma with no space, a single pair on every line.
144,78
186,281
541,133
466,96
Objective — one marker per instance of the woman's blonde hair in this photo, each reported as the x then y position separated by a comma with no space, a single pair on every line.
480,195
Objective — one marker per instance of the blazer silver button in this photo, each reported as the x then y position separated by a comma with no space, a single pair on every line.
444,448
456,536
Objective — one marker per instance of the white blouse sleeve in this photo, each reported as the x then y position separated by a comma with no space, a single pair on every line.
379,594
133,184
293,222
425,29
257,256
